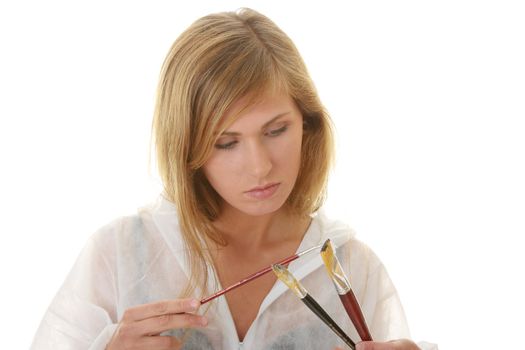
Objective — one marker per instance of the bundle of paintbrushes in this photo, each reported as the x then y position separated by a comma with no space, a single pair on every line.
339,279
343,288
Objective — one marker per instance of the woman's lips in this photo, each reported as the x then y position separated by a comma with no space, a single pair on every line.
263,192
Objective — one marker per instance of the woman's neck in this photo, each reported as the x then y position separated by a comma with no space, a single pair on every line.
252,233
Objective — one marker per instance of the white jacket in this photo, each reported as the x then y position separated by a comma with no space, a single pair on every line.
138,259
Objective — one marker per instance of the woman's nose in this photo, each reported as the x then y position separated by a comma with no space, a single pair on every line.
258,162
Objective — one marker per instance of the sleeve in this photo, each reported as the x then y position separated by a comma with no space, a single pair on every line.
83,313
387,318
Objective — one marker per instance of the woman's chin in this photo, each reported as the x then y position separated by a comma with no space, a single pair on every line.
260,208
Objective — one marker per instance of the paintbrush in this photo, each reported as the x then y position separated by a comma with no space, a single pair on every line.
344,289
258,274
284,275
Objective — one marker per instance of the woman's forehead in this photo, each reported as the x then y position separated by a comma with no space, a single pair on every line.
259,109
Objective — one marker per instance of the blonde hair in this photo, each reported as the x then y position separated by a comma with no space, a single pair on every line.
219,59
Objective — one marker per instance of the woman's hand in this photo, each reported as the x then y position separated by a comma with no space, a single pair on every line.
141,326
400,344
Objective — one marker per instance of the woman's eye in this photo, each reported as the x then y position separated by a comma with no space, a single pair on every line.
277,132
227,145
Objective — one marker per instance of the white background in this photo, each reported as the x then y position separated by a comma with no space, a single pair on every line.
429,103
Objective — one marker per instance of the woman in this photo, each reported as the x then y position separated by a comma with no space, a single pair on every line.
244,148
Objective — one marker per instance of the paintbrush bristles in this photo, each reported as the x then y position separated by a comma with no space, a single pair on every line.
335,271
287,278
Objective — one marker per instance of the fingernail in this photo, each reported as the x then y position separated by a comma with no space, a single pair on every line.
194,304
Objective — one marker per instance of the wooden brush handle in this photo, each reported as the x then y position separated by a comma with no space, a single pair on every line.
356,315
319,311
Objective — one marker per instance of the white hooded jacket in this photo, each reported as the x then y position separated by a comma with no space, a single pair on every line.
139,259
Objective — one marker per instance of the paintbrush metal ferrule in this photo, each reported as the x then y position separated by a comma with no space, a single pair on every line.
344,289
306,251
334,269
287,278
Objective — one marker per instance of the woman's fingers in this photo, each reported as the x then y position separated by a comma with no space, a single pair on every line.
159,343
400,344
155,318
141,326
159,324
160,308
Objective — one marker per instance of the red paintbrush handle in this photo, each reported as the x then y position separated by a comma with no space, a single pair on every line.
248,279
356,315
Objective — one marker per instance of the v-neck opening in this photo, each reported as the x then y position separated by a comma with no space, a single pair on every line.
276,286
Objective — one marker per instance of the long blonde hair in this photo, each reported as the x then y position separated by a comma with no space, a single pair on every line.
216,61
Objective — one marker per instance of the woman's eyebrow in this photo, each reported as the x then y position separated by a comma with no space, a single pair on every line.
235,133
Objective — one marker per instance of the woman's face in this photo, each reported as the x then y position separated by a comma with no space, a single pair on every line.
255,162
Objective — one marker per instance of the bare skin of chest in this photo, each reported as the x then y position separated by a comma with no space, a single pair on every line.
244,302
